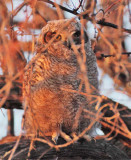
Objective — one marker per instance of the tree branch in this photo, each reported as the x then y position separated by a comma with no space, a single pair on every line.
105,56
82,150
74,11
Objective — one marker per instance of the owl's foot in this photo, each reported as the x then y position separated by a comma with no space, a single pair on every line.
55,137
65,136
87,137
74,135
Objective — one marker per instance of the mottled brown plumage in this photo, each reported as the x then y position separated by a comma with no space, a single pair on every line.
50,78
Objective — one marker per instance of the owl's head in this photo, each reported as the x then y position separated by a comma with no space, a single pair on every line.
62,33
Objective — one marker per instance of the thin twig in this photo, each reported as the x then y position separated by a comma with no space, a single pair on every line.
105,56
61,7
14,12
108,24
84,14
78,6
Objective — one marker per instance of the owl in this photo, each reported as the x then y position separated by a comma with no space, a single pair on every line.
57,79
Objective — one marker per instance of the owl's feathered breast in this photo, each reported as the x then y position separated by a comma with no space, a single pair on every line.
50,70
45,78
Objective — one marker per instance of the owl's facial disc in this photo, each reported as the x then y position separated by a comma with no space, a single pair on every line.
66,38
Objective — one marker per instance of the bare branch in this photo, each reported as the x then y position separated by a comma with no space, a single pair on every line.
78,6
105,56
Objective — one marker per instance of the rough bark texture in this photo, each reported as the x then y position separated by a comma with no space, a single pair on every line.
78,151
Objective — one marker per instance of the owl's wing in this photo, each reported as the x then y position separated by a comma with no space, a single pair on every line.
26,80
27,76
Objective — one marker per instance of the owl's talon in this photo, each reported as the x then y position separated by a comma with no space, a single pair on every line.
87,137
65,136
74,135
94,139
55,137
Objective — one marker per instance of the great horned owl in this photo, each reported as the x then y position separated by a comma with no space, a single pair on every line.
54,80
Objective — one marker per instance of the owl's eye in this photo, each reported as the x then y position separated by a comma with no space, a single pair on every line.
49,35
58,37
76,34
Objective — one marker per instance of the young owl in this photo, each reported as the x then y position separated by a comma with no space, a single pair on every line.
55,78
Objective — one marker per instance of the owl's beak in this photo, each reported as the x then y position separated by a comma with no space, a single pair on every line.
67,43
